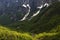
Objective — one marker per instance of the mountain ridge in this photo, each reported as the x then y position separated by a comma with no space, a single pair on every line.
47,17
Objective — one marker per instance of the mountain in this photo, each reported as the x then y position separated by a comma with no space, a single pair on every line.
46,20
44,26
14,11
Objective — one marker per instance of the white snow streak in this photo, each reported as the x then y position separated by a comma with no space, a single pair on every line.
24,5
27,13
46,4
37,11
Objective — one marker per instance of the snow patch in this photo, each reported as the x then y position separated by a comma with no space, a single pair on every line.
46,4
24,5
27,6
26,14
40,7
38,11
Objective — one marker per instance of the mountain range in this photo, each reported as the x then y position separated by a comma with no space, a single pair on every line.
44,24
13,10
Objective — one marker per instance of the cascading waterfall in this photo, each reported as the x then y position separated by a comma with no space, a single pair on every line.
27,12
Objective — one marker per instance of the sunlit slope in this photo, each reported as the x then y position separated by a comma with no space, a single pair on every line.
7,34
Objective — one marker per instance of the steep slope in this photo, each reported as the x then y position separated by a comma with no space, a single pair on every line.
48,19
13,10
46,24
8,34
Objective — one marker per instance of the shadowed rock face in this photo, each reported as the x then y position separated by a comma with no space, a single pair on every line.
37,3
14,9
15,5
4,4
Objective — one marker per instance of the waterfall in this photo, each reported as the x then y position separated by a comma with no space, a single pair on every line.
27,12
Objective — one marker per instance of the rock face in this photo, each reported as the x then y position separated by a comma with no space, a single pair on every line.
37,3
15,11
17,4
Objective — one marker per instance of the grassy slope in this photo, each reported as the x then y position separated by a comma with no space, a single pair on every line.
8,34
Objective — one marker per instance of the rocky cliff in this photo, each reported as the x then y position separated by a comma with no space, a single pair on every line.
14,10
